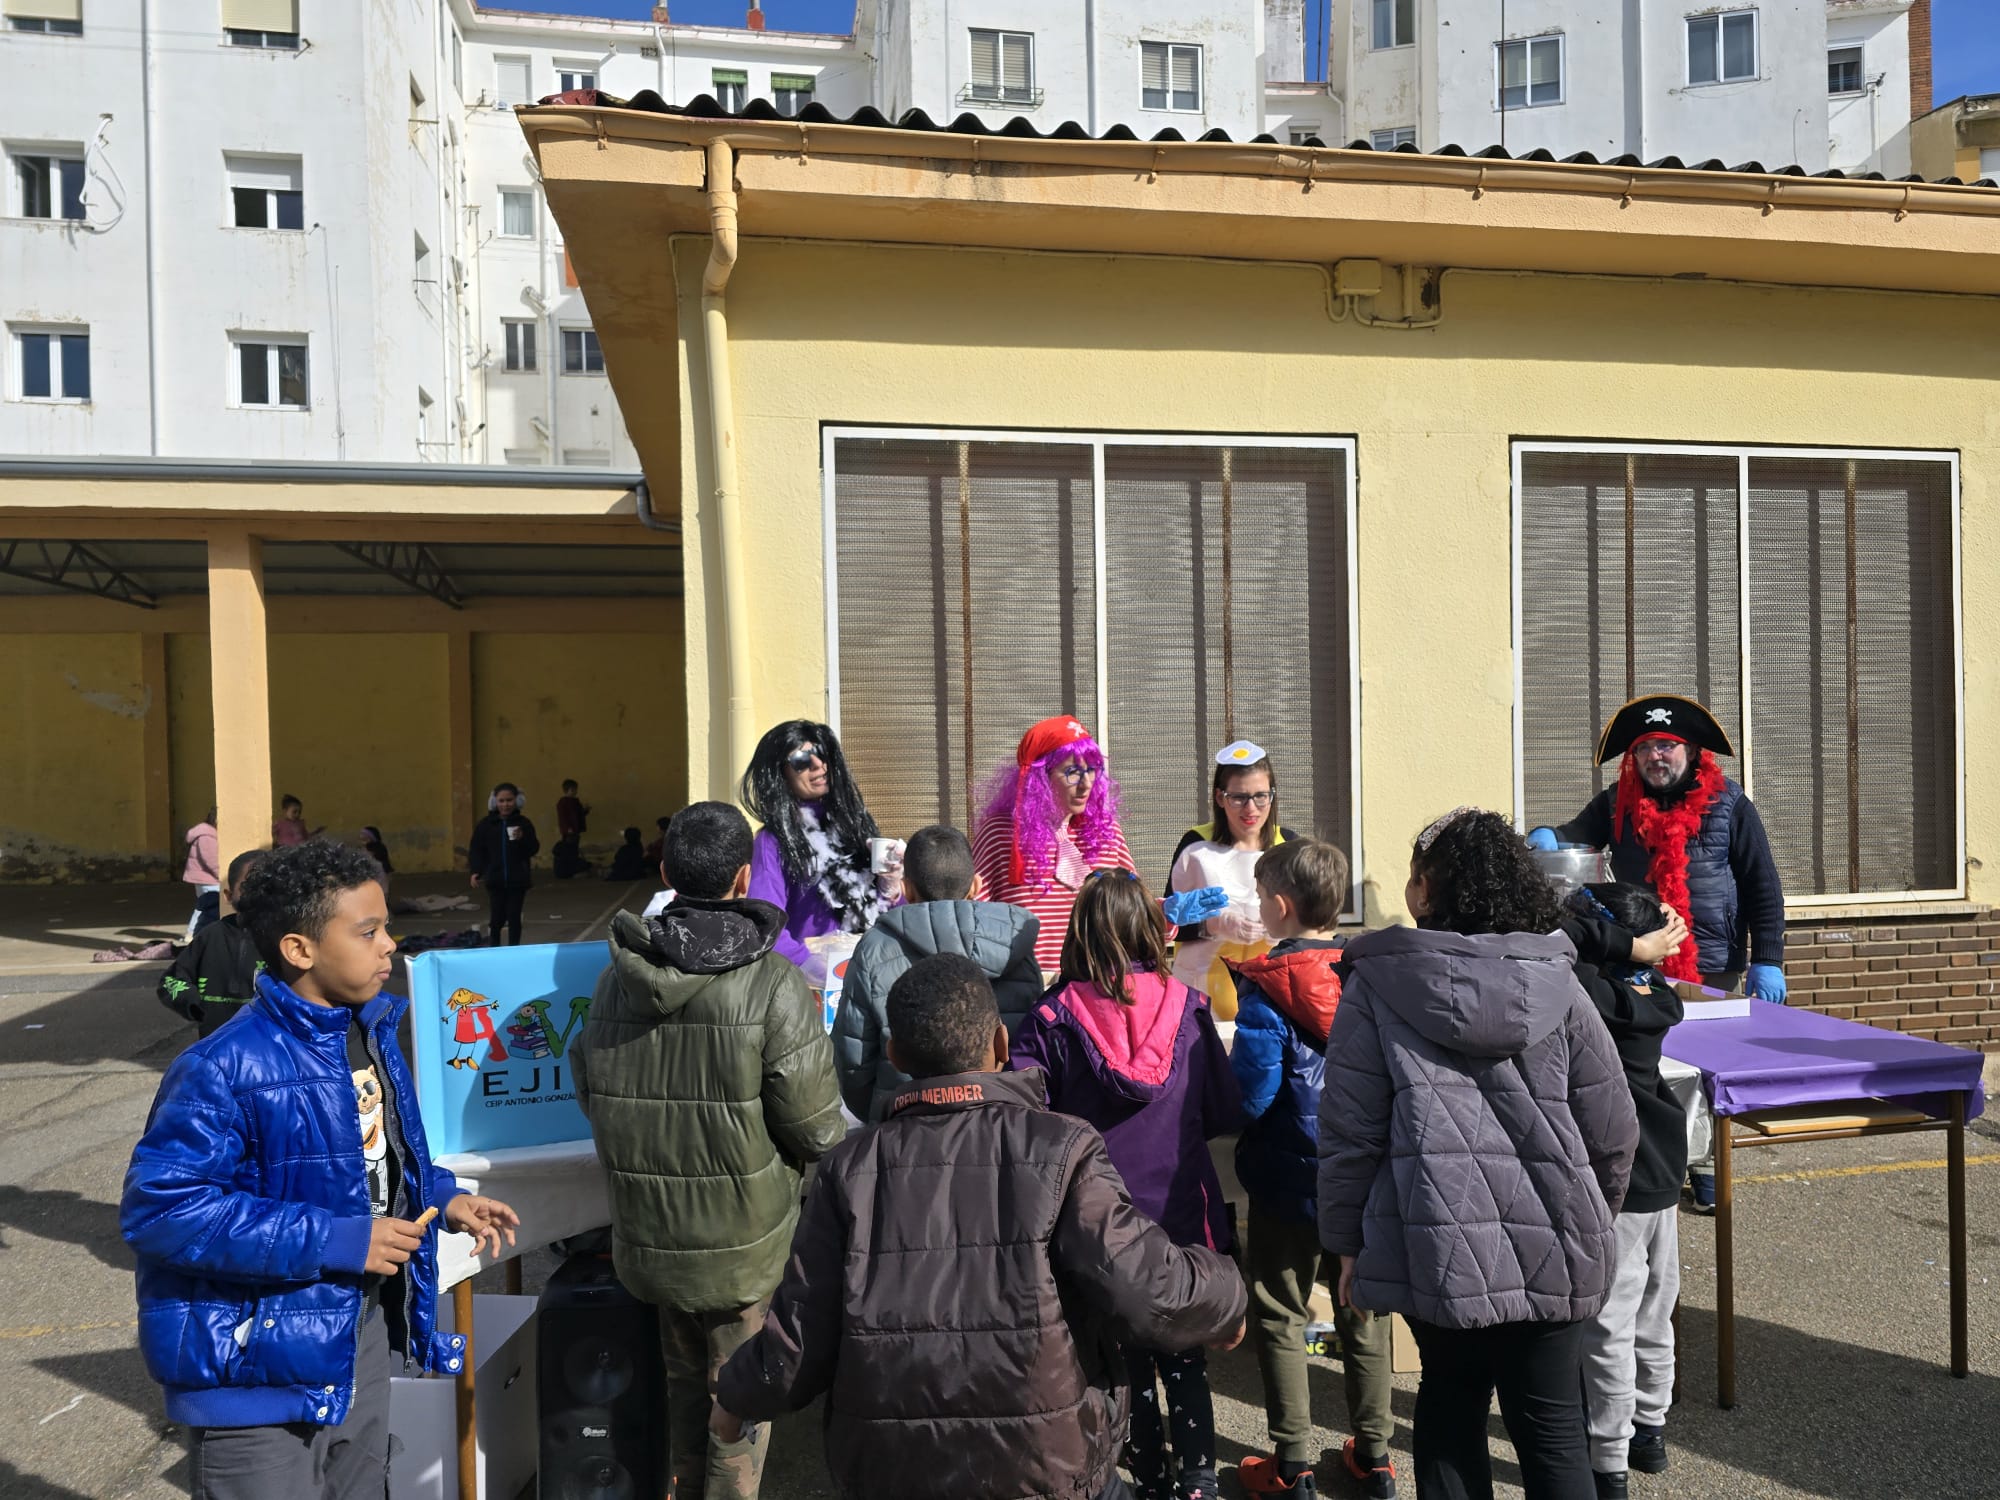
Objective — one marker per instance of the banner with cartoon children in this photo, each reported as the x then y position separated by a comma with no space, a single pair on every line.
492,1029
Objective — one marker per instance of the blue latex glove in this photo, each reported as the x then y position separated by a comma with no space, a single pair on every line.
1542,838
1766,982
1185,908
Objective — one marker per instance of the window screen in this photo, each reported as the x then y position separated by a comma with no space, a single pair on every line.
1629,585
1203,546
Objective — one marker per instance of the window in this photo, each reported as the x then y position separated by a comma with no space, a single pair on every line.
425,273
1851,754
581,354
517,212
1003,67
732,87
261,23
1531,72
930,677
269,373
1843,70
1169,76
1389,140
1722,49
1989,163
265,192
458,62
52,364
587,458
1395,23
1302,135
48,185
522,456
511,81
49,17
520,334
573,76
791,92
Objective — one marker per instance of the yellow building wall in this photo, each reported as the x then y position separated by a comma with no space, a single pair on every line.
606,711
191,731
945,338
73,759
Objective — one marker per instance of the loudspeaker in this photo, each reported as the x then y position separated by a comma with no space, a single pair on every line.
601,1389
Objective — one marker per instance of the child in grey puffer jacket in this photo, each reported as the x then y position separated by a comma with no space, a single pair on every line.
1476,1135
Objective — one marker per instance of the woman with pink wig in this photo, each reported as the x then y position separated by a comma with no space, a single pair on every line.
1046,822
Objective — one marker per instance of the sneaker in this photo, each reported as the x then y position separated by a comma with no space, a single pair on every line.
1704,1191
1260,1476
1196,1484
1610,1486
1648,1452
1377,1474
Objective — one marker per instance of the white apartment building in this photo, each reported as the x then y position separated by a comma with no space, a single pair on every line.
1820,83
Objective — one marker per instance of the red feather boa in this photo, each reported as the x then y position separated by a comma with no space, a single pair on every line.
1665,832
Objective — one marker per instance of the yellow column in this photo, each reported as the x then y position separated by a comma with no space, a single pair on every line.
161,836
240,689
458,668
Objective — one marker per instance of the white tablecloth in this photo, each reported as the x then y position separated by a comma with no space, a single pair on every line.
557,1190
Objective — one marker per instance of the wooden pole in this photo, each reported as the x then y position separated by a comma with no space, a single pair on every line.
1853,688
468,1426
1631,582
513,1277
1228,601
965,614
1725,1268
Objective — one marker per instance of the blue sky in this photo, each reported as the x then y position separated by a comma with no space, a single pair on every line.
1966,33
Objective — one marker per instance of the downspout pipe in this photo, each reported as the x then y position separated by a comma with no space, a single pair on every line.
740,726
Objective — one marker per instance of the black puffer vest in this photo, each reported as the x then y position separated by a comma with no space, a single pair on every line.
1716,910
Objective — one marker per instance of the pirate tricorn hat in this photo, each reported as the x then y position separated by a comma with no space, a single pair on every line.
1666,714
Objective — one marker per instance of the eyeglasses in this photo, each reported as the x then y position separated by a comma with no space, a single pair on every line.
798,760
1658,746
1076,775
1240,800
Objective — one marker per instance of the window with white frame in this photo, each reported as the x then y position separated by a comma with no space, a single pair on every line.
581,353
1530,72
458,62
1301,135
261,23
49,17
731,87
962,598
1722,48
1843,70
423,269
1003,67
520,337
48,182
52,363
522,457
517,213
266,192
571,77
1170,76
271,371
1389,140
791,92
587,458
512,81
1395,24
1835,677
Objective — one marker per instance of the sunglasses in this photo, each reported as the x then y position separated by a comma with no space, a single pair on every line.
798,760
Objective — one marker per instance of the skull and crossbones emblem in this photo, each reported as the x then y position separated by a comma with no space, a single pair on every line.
1660,716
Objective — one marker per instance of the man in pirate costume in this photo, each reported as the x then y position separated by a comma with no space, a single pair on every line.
1676,824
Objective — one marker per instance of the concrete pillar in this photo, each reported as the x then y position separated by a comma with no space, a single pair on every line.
240,686
162,838
465,801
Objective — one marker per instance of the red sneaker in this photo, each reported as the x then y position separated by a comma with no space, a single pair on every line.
1378,1482
1259,1476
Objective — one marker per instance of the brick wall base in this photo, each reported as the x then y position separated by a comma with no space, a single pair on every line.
1937,977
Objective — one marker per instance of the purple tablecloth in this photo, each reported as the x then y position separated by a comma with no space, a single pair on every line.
1781,1055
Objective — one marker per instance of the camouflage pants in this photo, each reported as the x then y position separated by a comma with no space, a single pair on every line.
695,1347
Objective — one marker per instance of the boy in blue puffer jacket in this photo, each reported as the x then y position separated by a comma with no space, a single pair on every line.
1286,1001
277,1204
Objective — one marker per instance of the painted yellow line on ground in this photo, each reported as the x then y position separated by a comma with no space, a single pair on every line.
1868,1171
43,1330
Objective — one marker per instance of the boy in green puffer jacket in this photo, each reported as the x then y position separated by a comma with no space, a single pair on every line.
708,1081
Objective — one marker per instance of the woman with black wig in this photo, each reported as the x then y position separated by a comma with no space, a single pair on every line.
811,856
1475,1139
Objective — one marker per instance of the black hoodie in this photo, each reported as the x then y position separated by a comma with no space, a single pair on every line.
214,976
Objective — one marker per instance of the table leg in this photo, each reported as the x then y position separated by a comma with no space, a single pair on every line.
1955,1191
512,1276
1674,1400
1725,1267
468,1431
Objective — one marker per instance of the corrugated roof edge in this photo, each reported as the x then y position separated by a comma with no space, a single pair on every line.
705,107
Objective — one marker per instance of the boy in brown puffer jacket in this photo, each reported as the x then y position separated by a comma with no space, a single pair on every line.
963,1277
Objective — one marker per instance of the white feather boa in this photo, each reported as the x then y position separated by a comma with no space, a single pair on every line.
846,884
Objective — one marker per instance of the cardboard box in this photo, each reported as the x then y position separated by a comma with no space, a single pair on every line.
423,1410
1403,1358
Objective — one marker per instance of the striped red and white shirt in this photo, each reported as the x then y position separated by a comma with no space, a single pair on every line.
993,859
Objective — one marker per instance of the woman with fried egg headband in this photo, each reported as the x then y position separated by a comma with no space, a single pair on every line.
1223,852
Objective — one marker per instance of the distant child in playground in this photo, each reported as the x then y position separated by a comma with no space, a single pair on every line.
1286,1004
629,863
289,829
202,871
215,976
502,857
287,1265
1127,1047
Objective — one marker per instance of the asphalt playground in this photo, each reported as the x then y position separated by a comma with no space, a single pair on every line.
1844,1392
